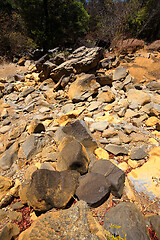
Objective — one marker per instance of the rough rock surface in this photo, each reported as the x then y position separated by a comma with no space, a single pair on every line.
125,218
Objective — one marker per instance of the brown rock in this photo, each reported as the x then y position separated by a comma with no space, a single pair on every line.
5,185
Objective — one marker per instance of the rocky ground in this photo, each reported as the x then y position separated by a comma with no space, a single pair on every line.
80,146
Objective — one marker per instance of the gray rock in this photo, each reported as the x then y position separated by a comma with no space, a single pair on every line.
32,145
154,85
137,153
26,92
93,188
116,149
9,157
73,156
79,130
155,110
114,175
47,165
68,107
125,218
119,73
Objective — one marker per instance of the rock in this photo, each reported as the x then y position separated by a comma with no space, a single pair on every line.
15,216
99,126
106,96
47,165
10,231
114,175
155,222
3,214
17,130
9,156
36,127
126,220
4,114
26,92
40,62
119,73
123,137
73,223
79,130
110,132
137,153
93,188
73,156
154,46
116,149
152,121
153,86
155,110
21,61
17,206
84,86
48,189
134,95
68,107
5,185
146,178
94,105
4,129
81,60
104,80
31,146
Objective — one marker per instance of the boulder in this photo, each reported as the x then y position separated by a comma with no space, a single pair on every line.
80,131
48,189
73,156
84,86
125,220
81,60
93,188
114,175
75,223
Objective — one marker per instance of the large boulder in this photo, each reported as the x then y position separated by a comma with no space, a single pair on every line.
114,175
75,223
48,189
125,220
81,60
84,86
93,188
80,131
73,156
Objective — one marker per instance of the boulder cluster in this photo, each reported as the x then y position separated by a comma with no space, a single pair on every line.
78,136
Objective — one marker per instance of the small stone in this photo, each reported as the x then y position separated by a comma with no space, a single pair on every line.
101,153
152,121
99,126
4,129
119,73
123,166
15,216
133,164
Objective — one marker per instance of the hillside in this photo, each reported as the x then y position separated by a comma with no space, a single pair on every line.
80,145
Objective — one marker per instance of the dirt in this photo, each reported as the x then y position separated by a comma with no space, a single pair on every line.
7,69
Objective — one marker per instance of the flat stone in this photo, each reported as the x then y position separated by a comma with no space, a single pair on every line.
94,105
26,92
125,218
4,129
139,96
93,188
119,73
116,149
137,153
68,107
44,110
99,126
106,96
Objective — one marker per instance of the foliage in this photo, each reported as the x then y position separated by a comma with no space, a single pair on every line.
53,22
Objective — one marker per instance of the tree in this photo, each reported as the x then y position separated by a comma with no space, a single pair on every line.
53,22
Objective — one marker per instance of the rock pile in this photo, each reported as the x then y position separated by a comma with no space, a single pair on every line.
78,133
